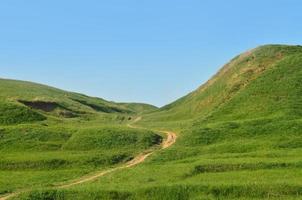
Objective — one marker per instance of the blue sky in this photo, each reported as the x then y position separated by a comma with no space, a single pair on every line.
151,51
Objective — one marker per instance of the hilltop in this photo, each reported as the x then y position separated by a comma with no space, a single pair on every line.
261,82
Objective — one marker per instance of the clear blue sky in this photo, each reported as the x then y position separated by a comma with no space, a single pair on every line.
151,51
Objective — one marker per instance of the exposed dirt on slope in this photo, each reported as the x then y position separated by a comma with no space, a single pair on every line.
41,105
171,139
48,106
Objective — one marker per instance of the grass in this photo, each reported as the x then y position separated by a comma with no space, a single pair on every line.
63,153
14,114
266,65
32,93
49,136
239,137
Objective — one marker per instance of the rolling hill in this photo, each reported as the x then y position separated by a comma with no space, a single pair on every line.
27,102
239,136
49,136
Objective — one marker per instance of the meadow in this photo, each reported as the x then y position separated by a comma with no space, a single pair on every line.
239,137
49,137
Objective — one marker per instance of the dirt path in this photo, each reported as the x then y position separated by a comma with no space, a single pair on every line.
169,141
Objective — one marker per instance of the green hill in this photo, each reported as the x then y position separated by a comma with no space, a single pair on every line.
27,102
49,136
239,137
240,134
140,108
258,83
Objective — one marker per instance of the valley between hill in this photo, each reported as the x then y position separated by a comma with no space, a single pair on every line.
239,136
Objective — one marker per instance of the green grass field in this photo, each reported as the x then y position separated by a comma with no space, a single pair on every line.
239,137
49,136
36,155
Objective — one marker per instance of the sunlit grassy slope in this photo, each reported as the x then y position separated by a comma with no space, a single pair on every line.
49,136
239,137
258,83
35,100
139,108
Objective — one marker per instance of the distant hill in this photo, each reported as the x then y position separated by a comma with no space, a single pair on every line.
22,101
139,107
238,136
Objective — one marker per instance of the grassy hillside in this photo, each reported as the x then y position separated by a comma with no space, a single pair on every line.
49,136
33,155
239,137
234,80
34,100
139,108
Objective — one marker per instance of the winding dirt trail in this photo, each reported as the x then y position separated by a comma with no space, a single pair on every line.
169,141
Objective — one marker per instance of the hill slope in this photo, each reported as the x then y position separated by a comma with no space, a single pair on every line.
49,136
239,136
139,108
257,81
25,101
